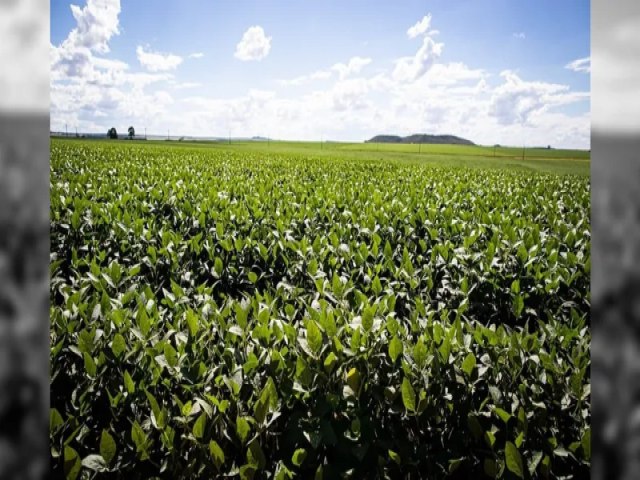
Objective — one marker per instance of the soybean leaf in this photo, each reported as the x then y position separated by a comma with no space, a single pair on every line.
513,459
408,395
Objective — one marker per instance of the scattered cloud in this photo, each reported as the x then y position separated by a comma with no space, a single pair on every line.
196,55
519,35
304,79
347,102
516,101
354,65
421,27
157,62
409,69
453,73
349,95
96,23
580,65
87,89
255,45
185,85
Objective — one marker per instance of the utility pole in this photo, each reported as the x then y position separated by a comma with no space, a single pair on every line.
76,132
229,137
145,133
66,134
523,152
168,137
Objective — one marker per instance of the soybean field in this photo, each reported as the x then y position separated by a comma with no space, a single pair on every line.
295,312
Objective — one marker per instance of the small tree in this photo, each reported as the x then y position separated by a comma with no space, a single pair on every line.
132,133
112,133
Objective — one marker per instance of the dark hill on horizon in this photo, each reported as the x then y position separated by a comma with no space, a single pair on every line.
421,138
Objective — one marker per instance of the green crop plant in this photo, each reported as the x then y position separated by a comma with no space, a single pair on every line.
258,314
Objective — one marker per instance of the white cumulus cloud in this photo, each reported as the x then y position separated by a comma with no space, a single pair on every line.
409,69
354,65
516,100
97,22
196,55
89,90
254,45
420,28
157,62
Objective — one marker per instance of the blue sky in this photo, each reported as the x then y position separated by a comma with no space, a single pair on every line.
493,71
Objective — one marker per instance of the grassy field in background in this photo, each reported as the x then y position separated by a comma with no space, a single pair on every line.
575,162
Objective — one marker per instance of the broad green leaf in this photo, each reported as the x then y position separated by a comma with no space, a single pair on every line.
140,440
518,305
192,323
242,428
505,416
469,364
420,353
395,348
314,336
255,455
118,346
199,426
170,355
55,420
89,364
144,324
408,395
129,383
376,286
353,379
330,362
107,447
367,318
216,454
218,265
513,460
72,463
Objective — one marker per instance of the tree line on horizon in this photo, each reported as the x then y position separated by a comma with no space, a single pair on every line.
113,133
